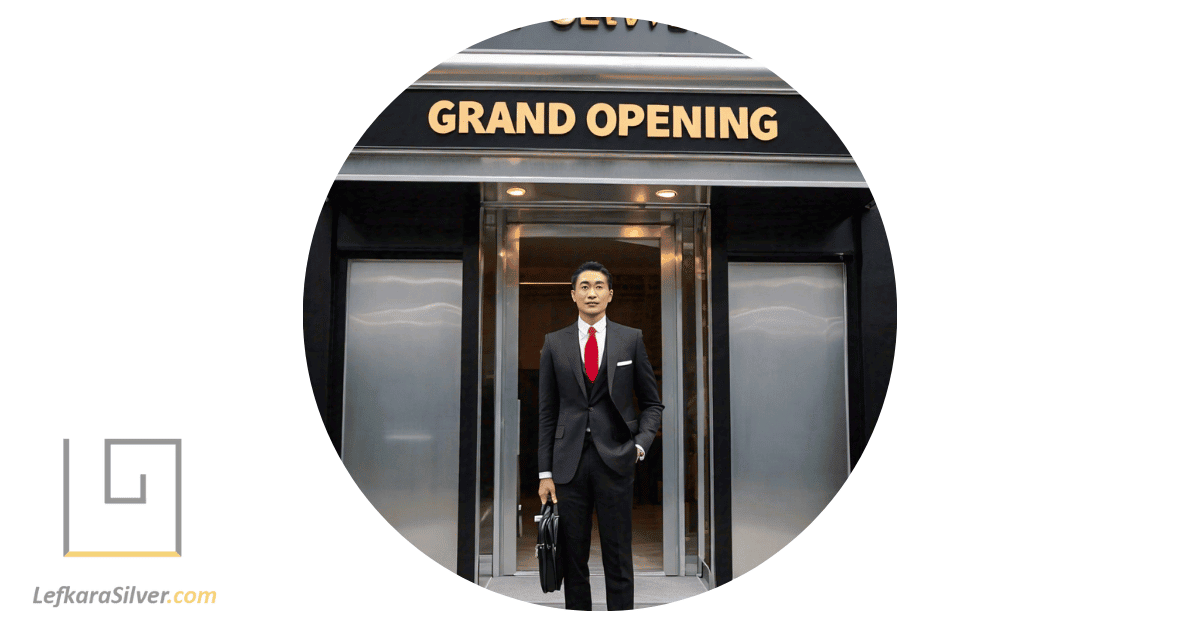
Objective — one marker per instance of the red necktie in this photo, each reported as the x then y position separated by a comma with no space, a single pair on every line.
591,355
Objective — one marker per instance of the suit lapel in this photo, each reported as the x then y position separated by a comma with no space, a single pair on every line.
571,337
612,337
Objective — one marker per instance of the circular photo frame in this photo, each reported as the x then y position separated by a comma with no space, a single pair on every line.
614,265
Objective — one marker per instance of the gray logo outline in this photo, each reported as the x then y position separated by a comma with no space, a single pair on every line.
109,499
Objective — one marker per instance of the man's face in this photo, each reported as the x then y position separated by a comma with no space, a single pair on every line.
592,294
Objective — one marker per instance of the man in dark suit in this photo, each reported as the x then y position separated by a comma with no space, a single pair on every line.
590,436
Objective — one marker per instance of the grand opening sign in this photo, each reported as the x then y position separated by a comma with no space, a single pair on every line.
660,122
656,120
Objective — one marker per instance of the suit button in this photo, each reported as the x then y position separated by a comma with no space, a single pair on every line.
589,409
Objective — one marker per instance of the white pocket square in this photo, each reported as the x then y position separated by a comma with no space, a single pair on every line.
625,363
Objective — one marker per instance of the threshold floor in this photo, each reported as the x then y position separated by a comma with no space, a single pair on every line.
648,590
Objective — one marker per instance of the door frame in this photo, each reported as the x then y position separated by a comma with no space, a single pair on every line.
510,230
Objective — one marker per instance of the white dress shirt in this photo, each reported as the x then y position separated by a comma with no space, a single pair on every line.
601,328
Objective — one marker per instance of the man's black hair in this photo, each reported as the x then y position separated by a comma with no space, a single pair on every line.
596,266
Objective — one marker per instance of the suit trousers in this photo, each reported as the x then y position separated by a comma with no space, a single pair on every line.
596,485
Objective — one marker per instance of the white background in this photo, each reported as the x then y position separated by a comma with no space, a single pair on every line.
165,166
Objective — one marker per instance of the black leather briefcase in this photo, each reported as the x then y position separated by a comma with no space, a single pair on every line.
549,564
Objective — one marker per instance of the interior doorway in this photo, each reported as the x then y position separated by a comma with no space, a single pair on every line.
546,266
534,273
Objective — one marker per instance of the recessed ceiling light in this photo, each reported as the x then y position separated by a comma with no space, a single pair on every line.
516,191
665,193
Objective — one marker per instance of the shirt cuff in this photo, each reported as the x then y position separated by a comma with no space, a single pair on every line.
641,452
548,474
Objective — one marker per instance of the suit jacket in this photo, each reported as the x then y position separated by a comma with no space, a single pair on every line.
564,407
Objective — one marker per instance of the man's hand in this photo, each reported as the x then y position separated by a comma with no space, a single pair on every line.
546,490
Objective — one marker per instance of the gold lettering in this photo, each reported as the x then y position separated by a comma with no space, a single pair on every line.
610,21
588,21
692,124
500,119
764,130
630,22
566,22
435,122
469,113
536,121
629,116
656,115
610,119
739,123
661,120
557,128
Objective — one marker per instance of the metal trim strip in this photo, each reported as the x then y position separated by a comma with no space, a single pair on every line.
374,164
517,153
601,71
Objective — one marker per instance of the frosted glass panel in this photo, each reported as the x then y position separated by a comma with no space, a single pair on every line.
401,396
787,362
